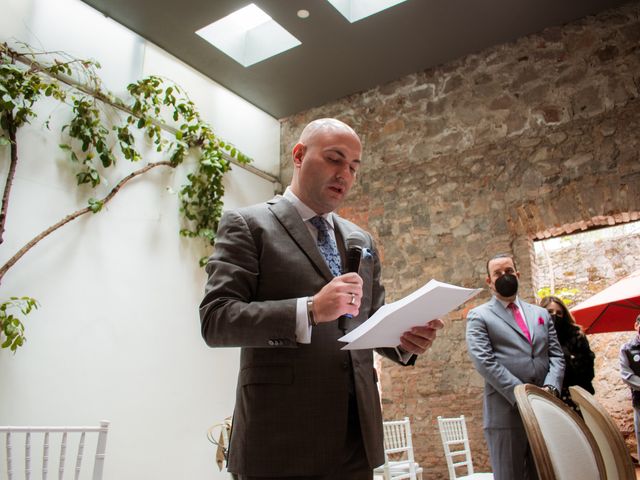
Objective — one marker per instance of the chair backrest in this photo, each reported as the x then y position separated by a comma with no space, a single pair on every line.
455,441
617,460
49,448
398,443
563,447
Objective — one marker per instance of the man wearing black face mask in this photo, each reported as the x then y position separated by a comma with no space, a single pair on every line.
511,342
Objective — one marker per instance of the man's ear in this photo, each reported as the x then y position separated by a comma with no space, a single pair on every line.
298,153
488,280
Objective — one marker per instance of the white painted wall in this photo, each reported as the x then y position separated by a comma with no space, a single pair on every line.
117,333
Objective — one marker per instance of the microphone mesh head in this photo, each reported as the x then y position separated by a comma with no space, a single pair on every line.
357,240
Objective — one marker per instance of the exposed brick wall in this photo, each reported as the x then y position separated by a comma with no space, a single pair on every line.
478,156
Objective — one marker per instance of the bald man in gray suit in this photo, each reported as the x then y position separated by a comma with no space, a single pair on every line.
511,342
305,409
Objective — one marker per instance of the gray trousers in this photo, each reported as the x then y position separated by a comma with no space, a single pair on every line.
510,454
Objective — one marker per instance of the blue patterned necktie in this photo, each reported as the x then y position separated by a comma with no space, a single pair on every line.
327,245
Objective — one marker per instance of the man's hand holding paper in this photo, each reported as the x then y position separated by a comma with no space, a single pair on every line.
411,322
419,339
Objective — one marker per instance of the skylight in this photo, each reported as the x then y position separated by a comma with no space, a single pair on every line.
248,36
354,10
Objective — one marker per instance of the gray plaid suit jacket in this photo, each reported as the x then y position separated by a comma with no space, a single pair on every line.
290,416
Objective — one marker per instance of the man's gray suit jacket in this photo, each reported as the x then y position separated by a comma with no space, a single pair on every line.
502,354
292,399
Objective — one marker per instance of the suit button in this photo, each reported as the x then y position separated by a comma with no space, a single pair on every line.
345,365
271,343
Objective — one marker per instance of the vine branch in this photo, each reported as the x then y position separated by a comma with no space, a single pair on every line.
78,213
10,175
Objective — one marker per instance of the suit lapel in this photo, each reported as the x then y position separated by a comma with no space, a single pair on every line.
529,316
341,241
341,234
343,230
290,219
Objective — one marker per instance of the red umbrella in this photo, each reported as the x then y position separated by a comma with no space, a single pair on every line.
614,309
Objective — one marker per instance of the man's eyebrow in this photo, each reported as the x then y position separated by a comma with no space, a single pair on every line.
339,152
336,151
498,270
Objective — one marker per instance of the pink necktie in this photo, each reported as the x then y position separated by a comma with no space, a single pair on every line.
519,320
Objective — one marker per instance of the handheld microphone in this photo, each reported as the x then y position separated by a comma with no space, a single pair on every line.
356,243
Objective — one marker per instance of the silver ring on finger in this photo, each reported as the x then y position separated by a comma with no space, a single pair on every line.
353,299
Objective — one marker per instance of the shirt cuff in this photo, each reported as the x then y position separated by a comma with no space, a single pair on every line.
303,329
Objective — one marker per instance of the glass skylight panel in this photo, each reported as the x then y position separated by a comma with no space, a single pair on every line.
248,36
354,10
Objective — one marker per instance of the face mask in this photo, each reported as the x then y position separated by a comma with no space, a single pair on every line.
507,285
557,320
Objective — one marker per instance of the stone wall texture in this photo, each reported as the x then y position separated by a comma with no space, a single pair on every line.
522,141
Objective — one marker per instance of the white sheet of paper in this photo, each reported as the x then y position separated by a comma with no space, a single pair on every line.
385,327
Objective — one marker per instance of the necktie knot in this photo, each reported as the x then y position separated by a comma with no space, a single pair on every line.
327,245
320,223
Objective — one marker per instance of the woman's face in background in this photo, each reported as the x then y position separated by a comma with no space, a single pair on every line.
554,309
556,312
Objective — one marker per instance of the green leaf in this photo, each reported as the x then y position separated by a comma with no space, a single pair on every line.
11,326
106,159
95,205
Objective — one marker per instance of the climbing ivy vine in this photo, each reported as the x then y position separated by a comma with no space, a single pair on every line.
95,142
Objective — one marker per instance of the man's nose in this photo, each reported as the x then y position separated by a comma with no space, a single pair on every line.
345,172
